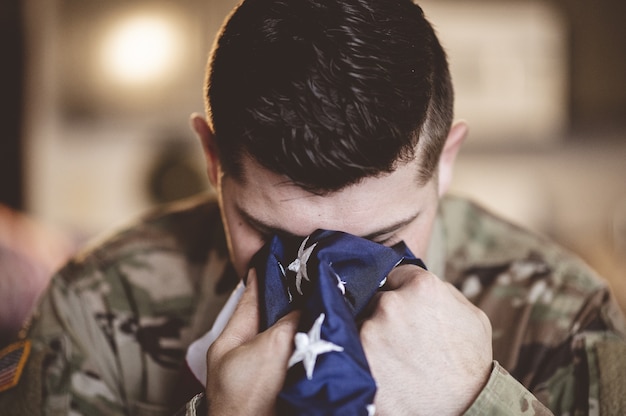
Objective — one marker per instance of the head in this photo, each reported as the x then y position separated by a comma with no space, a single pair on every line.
329,114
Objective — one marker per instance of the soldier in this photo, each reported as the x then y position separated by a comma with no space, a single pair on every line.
337,115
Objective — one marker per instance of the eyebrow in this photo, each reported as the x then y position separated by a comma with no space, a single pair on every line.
263,227
268,229
392,227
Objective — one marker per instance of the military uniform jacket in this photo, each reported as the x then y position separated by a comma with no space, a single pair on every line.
110,334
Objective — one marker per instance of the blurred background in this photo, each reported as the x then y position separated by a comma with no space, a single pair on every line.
96,97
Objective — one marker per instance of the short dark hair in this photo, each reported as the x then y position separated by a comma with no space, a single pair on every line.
328,92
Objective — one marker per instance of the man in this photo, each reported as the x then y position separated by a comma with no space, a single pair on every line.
334,115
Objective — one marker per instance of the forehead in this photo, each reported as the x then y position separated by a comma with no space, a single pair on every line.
359,209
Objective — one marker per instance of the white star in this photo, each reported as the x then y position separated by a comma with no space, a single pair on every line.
299,264
309,346
341,284
371,410
382,282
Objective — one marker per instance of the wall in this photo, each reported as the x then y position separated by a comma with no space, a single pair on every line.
11,82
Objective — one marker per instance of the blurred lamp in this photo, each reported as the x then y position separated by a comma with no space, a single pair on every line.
141,49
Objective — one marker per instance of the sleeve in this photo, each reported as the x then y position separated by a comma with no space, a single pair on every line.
196,406
55,380
74,367
81,364
111,330
598,390
585,375
503,395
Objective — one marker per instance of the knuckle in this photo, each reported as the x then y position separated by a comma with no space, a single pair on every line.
427,277
282,333
425,284
221,346
213,354
388,302
408,271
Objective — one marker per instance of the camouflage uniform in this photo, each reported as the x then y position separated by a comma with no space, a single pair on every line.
110,335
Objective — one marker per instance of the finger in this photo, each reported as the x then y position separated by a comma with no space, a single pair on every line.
283,331
280,338
402,275
244,324
289,321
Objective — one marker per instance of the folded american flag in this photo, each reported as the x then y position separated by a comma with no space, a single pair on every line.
331,277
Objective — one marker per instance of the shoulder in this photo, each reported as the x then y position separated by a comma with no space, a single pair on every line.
478,239
158,266
121,313
522,280
556,328
188,230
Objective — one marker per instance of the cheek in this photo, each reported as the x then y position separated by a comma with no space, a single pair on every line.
244,243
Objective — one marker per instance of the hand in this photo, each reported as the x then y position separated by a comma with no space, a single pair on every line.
245,369
428,347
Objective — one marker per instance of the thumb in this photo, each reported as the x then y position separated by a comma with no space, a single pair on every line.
244,323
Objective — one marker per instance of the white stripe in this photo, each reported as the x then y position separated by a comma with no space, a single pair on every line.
196,353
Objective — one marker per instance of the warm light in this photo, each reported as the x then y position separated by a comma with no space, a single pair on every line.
141,49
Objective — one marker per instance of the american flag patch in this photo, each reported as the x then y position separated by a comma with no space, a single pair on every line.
12,361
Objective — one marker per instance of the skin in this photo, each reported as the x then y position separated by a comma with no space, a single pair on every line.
240,349
437,366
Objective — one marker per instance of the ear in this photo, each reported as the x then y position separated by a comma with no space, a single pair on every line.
455,139
207,138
